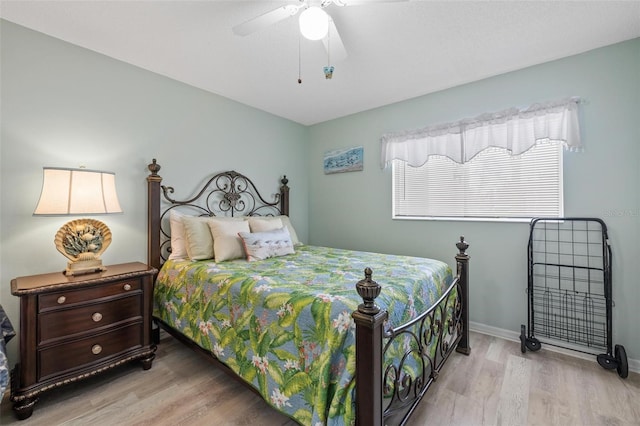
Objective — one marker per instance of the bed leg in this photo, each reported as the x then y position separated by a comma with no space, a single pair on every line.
462,260
155,332
369,320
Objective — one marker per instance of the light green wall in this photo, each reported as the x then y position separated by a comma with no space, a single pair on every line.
353,210
67,106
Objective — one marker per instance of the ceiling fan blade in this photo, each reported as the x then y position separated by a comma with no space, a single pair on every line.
333,43
265,20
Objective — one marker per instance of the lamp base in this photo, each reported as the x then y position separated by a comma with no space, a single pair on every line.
82,241
82,267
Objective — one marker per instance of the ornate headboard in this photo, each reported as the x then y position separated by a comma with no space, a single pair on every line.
224,194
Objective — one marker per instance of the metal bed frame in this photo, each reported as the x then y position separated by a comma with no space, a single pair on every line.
387,391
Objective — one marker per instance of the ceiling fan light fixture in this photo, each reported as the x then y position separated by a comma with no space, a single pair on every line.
314,23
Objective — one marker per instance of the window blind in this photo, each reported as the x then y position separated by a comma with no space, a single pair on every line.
493,184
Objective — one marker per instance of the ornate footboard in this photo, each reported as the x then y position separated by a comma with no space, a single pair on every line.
390,388
394,366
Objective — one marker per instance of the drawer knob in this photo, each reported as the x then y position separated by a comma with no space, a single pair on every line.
96,349
127,287
96,317
61,300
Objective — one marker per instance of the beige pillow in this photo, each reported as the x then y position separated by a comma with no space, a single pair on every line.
227,245
282,220
292,232
263,224
178,238
199,244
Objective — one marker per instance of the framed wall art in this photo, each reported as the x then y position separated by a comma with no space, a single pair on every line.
343,160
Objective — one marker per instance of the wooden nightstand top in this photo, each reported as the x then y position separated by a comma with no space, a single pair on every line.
57,280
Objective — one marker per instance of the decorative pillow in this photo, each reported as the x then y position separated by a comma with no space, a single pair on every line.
226,243
199,244
178,238
263,245
283,220
264,224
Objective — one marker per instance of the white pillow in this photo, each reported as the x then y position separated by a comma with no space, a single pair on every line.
263,245
178,242
226,243
283,219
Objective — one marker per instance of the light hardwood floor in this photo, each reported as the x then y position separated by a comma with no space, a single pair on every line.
495,385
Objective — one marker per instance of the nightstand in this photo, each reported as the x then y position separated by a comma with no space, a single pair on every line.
75,327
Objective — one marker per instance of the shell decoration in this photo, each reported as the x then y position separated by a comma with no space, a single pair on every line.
83,239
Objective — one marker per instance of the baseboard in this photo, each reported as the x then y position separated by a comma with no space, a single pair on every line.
634,364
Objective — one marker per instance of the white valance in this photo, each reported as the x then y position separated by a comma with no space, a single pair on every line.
513,129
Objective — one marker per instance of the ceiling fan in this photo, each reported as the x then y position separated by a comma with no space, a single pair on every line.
329,36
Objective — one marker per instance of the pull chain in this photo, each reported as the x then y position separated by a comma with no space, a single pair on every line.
328,70
299,60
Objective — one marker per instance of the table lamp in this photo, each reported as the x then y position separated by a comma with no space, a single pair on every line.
67,192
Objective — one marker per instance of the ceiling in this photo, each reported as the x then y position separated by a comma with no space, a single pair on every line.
396,50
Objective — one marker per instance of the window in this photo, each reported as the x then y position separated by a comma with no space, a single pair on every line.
500,165
493,185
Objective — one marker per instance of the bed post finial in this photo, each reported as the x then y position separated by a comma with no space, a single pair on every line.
462,246
368,290
154,168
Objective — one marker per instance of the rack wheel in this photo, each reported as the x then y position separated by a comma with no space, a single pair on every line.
532,344
621,357
523,338
607,361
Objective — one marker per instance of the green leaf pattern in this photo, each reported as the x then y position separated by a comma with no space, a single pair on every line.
284,324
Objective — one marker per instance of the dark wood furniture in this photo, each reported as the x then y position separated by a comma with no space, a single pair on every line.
73,327
386,393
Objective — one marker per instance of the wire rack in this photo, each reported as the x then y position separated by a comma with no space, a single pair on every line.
569,288
569,263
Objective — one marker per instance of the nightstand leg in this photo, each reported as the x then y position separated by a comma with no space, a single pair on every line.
24,408
146,362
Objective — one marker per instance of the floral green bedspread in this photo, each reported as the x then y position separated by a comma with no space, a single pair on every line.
284,324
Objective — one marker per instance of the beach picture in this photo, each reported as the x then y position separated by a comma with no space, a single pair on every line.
343,160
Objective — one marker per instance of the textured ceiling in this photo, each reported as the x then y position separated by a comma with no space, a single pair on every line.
396,50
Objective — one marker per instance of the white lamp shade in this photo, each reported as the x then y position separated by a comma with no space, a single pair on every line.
77,191
314,23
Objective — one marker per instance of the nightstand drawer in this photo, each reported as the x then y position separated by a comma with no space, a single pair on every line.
59,299
65,323
61,359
